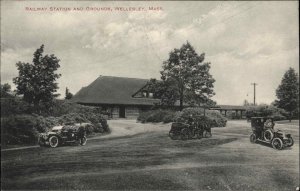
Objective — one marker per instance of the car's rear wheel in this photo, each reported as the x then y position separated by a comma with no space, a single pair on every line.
53,141
253,138
290,142
277,144
83,141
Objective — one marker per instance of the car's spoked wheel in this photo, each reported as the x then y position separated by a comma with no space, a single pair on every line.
253,138
53,141
290,142
172,135
268,135
83,141
277,144
184,134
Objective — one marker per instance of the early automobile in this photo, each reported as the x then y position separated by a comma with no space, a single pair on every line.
263,131
186,131
63,134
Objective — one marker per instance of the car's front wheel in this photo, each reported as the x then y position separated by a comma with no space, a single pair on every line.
277,144
53,141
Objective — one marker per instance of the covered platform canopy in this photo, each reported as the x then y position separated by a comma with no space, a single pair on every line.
224,108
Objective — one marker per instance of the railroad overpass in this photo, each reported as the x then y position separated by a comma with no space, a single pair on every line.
239,110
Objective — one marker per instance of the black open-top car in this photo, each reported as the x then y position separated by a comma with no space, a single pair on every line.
64,134
263,131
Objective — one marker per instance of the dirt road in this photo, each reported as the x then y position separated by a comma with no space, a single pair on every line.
142,157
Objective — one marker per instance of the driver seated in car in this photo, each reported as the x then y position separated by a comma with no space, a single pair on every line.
269,124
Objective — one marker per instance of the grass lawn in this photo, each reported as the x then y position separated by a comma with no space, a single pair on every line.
293,122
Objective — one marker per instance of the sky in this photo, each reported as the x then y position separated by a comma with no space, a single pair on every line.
245,42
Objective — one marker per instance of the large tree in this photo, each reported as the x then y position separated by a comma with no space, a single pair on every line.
187,69
37,80
288,92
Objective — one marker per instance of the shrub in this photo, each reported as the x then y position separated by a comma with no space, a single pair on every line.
217,119
19,129
13,106
168,116
198,119
266,111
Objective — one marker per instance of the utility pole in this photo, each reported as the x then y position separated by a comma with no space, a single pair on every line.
254,84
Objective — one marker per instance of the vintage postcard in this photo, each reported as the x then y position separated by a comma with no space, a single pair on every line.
150,95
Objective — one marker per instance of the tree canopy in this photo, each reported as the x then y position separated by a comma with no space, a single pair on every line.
37,80
288,92
6,87
189,75
166,91
68,94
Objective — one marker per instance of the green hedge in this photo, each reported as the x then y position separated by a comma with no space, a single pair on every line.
216,117
25,128
19,124
168,116
266,111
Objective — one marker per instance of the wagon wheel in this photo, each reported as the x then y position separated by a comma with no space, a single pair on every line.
53,141
290,142
268,135
184,134
277,144
172,135
253,138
